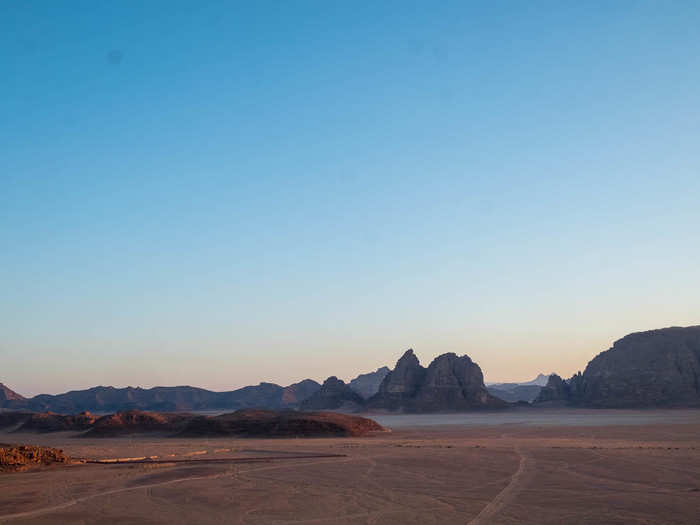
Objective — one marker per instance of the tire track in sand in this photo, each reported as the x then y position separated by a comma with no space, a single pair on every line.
508,494
67,504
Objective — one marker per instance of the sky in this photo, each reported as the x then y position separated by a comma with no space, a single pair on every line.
220,193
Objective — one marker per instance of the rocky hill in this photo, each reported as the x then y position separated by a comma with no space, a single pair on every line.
178,398
368,384
657,368
334,394
242,423
449,383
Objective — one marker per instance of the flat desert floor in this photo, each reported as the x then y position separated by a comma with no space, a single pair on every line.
524,466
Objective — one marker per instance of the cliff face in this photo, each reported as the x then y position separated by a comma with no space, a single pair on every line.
400,386
645,369
334,394
658,368
449,383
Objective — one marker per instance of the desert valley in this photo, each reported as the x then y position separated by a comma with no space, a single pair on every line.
617,443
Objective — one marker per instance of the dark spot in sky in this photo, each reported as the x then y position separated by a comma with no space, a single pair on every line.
114,57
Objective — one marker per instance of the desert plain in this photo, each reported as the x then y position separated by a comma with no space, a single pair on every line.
522,466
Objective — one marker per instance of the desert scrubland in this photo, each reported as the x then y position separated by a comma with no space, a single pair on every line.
533,466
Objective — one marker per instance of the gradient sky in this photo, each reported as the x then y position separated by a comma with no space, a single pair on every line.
218,193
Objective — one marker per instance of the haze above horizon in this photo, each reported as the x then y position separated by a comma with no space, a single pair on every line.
217,194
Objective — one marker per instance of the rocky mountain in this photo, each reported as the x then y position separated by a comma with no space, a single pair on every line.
8,395
449,383
657,368
368,384
334,394
178,398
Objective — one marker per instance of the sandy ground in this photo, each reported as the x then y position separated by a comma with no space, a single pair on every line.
630,468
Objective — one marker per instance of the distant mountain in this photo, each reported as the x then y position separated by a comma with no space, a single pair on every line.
450,383
334,394
540,380
177,398
8,395
514,392
657,368
368,384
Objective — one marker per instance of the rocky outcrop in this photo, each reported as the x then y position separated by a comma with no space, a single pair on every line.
23,457
334,394
368,384
657,368
450,383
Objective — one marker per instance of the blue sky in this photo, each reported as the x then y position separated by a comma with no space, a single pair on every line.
218,193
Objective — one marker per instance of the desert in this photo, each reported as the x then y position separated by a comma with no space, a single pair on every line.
525,466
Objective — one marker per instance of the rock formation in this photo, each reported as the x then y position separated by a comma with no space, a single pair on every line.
334,394
368,384
658,368
400,386
23,457
556,390
449,383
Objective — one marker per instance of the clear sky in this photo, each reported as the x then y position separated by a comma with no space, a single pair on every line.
218,193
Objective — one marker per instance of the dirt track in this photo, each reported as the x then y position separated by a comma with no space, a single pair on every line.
420,475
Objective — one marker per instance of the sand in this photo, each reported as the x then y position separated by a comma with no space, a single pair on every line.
558,466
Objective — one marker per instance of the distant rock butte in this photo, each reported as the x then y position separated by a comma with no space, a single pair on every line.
657,368
334,394
450,383
368,384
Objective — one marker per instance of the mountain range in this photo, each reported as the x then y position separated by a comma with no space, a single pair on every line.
656,368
